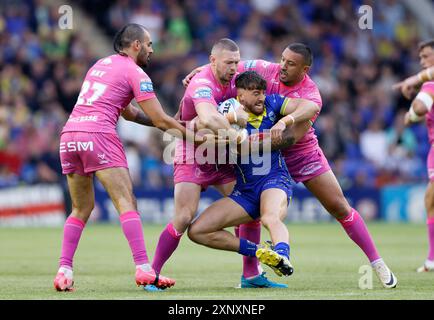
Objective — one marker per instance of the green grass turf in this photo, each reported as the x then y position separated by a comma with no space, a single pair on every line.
326,265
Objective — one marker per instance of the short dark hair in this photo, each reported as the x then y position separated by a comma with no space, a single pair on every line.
250,80
303,50
427,43
225,44
127,35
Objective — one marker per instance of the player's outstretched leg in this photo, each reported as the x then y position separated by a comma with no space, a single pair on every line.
64,280
274,203
429,205
71,236
117,182
327,190
276,259
145,275
82,196
253,275
428,265
186,201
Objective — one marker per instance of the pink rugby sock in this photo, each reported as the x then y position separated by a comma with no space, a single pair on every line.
71,236
167,244
237,231
356,229
250,231
133,231
430,225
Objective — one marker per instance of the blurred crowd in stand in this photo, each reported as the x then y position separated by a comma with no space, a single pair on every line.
360,127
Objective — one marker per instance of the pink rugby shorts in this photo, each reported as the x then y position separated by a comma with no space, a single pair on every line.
203,175
86,152
305,166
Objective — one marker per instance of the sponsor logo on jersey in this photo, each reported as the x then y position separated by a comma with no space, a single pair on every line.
146,86
73,146
249,64
272,116
203,92
265,64
83,119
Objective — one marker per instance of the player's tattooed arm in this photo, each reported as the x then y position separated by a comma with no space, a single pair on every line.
143,119
294,111
133,114
265,142
291,135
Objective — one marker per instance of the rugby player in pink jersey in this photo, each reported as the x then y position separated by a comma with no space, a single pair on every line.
422,108
305,160
90,145
213,85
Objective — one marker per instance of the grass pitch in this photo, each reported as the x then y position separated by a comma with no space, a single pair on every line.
326,265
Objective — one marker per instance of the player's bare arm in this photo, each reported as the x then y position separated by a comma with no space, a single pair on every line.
295,111
153,109
211,119
190,76
420,106
409,86
265,142
131,113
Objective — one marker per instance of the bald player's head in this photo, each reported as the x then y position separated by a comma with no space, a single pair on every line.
224,58
224,44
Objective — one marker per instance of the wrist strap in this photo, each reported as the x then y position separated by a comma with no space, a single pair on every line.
413,116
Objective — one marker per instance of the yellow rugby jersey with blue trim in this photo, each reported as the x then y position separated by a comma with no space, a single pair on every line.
251,167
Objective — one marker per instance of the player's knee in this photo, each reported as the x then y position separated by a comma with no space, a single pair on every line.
126,203
82,212
269,219
194,233
182,219
339,207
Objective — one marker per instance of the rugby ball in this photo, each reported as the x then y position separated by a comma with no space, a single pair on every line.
229,105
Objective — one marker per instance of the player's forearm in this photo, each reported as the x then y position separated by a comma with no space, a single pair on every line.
287,140
215,122
426,75
419,107
291,135
135,115
418,79
304,111
143,119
